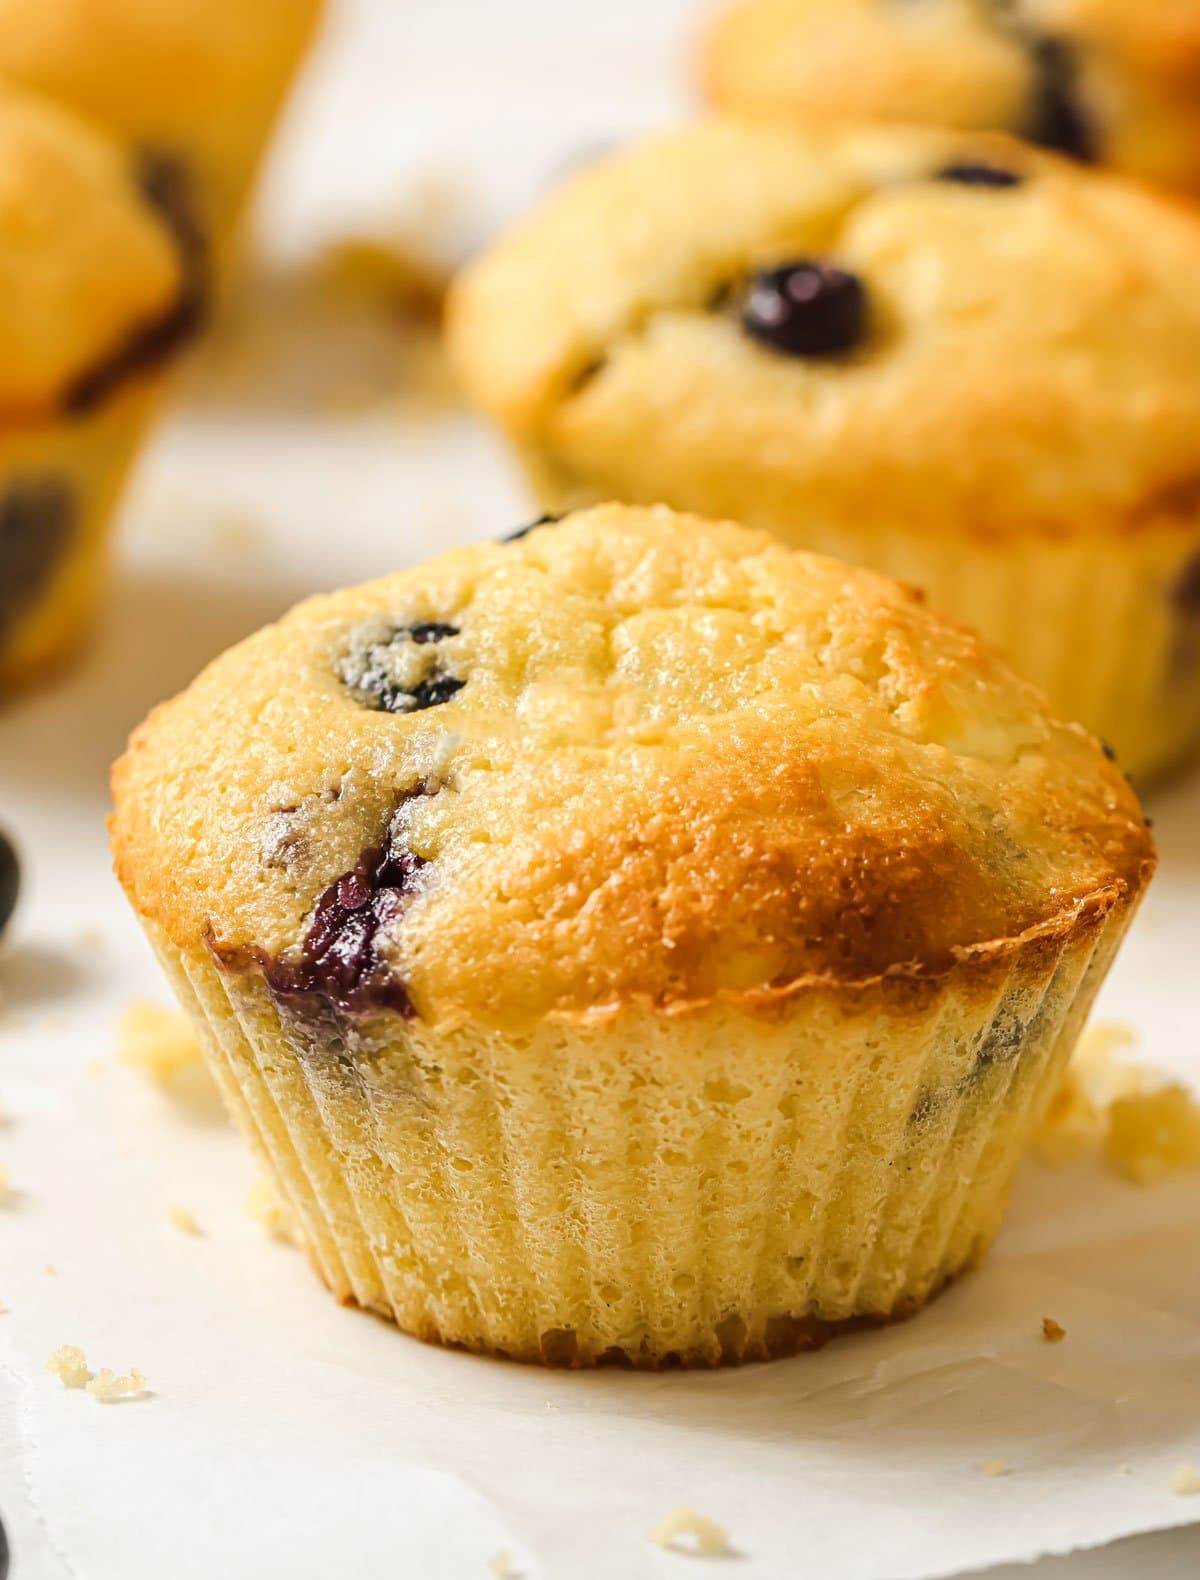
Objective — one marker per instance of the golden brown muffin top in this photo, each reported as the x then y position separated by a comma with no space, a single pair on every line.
1100,79
1027,361
152,67
87,263
631,757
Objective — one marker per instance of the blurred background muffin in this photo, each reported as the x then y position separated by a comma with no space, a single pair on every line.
944,355
195,85
1101,80
96,296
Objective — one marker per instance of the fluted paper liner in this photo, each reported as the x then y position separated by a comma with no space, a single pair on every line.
725,1183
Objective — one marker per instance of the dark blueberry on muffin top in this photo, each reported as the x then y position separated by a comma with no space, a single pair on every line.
806,309
980,175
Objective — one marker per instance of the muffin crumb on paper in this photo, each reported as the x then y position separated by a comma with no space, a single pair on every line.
183,1219
995,1467
69,1365
1184,1481
1053,1332
708,1539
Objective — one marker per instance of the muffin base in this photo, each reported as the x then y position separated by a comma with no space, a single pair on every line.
723,1182
1107,625
87,460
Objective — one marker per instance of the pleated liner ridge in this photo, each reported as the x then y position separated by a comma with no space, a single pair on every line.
721,1184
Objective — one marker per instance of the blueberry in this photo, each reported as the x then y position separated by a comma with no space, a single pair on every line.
10,881
166,183
340,964
806,309
37,520
431,631
523,532
380,667
1057,119
972,175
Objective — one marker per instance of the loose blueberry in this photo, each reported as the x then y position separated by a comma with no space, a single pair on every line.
1057,119
10,881
37,519
523,532
969,175
383,671
806,309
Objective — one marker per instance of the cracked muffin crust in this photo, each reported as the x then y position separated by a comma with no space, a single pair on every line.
196,82
715,849
98,294
948,356
1096,79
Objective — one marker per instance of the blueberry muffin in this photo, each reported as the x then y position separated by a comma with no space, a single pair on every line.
632,940
942,355
1101,80
194,85
97,294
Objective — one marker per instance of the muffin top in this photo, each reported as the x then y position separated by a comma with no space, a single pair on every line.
632,757
1098,79
944,329
150,68
90,269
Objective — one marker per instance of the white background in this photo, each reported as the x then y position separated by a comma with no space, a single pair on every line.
285,1436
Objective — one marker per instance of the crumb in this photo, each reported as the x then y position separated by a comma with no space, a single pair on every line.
106,1386
238,535
161,1044
5,1184
90,939
69,1365
994,1467
709,1540
502,1566
265,1207
183,1219
391,271
1124,1470
1053,1332
50,1270
1153,1134
1184,1481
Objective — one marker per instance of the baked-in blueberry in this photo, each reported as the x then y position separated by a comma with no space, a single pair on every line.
980,175
395,668
37,519
10,880
339,962
522,532
1057,119
807,308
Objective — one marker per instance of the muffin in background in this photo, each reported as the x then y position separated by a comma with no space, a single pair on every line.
940,354
194,85
633,940
1101,80
97,293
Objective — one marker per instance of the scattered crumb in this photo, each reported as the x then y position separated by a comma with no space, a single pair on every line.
69,1365
265,1207
502,1566
1053,1332
1184,1481
50,1270
90,939
1142,1126
106,1386
183,1219
161,1044
238,535
5,1184
994,1467
1153,1134
709,1540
